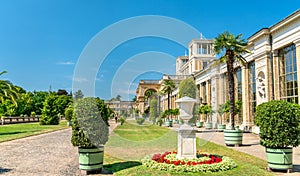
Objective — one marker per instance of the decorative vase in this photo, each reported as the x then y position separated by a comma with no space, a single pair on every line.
233,137
91,159
280,159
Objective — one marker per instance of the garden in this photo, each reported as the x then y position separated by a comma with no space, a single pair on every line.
131,145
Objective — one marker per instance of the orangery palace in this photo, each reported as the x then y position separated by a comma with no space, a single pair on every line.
271,72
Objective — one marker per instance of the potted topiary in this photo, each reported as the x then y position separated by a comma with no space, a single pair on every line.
278,121
223,108
89,133
199,121
168,121
175,112
207,110
69,115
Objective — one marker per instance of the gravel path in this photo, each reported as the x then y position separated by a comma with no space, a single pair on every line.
50,154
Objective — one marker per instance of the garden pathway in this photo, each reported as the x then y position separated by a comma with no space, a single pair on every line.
50,154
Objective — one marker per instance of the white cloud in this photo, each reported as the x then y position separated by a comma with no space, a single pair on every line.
80,80
65,63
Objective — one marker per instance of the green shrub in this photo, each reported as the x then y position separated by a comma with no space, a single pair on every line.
88,129
205,109
49,113
278,122
69,113
121,120
140,120
32,114
159,121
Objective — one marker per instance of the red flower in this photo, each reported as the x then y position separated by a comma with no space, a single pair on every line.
156,157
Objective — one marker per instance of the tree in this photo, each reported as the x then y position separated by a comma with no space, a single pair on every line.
8,90
25,104
153,109
231,47
187,88
78,95
167,88
38,99
62,92
149,93
49,112
134,99
61,103
118,97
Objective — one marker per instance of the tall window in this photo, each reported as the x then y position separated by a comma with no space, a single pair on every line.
252,90
239,83
238,90
288,74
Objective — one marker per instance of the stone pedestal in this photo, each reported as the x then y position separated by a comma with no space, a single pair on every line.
186,143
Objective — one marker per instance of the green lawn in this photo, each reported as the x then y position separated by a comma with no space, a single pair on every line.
16,131
130,142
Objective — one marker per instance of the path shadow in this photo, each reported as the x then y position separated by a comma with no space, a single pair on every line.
296,168
206,131
3,170
115,167
9,133
243,145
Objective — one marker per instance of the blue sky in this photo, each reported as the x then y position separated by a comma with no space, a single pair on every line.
41,41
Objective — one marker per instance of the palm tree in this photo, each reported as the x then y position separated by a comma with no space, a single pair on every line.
8,90
231,47
168,86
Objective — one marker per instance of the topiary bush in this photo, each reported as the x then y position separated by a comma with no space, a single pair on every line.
89,130
278,121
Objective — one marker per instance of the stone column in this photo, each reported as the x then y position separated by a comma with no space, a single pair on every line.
208,92
214,102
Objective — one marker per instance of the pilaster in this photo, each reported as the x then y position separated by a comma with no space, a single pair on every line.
276,75
245,95
297,43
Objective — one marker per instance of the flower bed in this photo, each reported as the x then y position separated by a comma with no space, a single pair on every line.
203,163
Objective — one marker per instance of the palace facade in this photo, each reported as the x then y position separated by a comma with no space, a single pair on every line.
271,71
